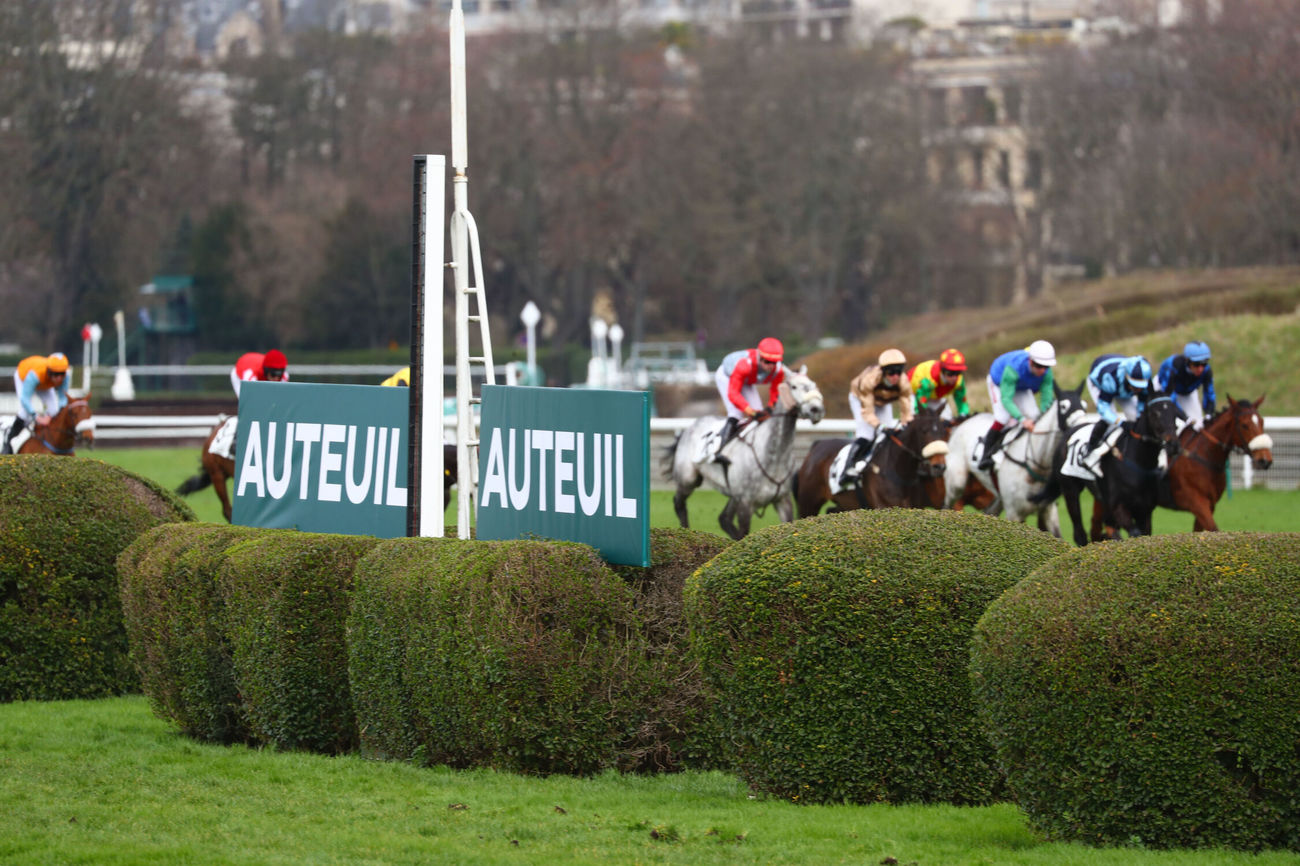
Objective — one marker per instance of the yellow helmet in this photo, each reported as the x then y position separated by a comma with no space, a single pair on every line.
57,363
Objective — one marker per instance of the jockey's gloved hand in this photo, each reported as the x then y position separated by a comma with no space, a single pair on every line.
763,415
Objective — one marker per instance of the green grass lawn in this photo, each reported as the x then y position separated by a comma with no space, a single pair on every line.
1254,510
104,782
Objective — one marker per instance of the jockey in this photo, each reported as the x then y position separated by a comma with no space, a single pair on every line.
932,381
1014,380
872,395
1115,380
256,367
402,377
1183,377
46,376
738,378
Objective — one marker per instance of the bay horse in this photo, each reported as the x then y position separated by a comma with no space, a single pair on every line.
905,470
70,426
1197,479
1125,494
760,455
1026,464
216,470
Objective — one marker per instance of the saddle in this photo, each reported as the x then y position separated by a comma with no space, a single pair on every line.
709,444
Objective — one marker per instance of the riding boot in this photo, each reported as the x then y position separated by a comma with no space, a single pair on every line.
856,454
992,441
1093,454
728,433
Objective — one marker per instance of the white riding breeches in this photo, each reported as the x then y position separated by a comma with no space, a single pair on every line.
1128,407
864,430
1191,406
749,392
49,401
1026,402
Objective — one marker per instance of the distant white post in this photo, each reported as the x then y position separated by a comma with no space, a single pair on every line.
530,316
123,388
616,351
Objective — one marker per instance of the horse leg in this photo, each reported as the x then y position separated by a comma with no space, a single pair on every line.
679,505
785,508
1204,513
1071,494
219,475
743,514
727,520
811,497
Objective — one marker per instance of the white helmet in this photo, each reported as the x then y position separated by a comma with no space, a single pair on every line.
891,357
1041,352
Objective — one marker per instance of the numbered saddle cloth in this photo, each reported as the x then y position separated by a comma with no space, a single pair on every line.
223,444
1076,452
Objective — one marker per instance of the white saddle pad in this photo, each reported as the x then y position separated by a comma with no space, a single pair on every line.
707,445
837,468
223,444
1076,451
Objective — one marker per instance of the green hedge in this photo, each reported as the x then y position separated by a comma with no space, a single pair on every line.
1149,692
676,730
838,649
176,618
520,655
63,521
287,597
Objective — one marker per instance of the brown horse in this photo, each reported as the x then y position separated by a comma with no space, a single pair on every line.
71,425
1197,479
906,470
215,470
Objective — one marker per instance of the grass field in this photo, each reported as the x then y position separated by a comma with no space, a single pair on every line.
1255,510
104,782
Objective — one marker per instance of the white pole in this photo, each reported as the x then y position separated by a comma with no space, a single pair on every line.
530,317
616,350
432,479
85,357
123,388
465,431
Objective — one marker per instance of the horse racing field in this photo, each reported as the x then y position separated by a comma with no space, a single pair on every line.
1253,510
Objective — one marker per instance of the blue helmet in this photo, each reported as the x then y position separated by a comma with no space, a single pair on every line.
1138,373
1197,351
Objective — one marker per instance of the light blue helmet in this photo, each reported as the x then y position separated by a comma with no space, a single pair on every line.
1197,351
1139,373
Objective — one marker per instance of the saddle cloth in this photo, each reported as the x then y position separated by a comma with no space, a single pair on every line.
223,444
1076,451
6,424
837,469
707,446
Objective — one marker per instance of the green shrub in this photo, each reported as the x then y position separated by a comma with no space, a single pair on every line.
63,521
838,648
1150,691
520,655
176,619
287,598
675,730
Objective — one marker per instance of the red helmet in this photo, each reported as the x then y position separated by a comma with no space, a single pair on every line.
770,349
952,360
275,360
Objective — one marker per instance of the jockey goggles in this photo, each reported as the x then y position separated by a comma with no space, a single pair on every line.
892,369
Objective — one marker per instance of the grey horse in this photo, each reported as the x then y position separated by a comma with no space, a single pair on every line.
759,462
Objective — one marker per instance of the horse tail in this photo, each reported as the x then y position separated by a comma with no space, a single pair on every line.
669,456
194,483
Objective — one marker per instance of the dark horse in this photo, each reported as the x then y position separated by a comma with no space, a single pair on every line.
69,426
1126,491
215,470
906,470
1197,479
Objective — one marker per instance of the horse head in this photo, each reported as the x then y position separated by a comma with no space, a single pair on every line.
926,437
77,418
1070,405
1248,432
1161,415
800,394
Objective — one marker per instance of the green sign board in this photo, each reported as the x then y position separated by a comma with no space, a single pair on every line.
303,461
567,464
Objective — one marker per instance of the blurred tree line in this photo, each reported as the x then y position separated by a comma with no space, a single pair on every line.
699,184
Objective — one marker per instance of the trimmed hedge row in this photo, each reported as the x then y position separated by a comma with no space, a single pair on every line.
1150,691
63,521
240,633
838,648
520,655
